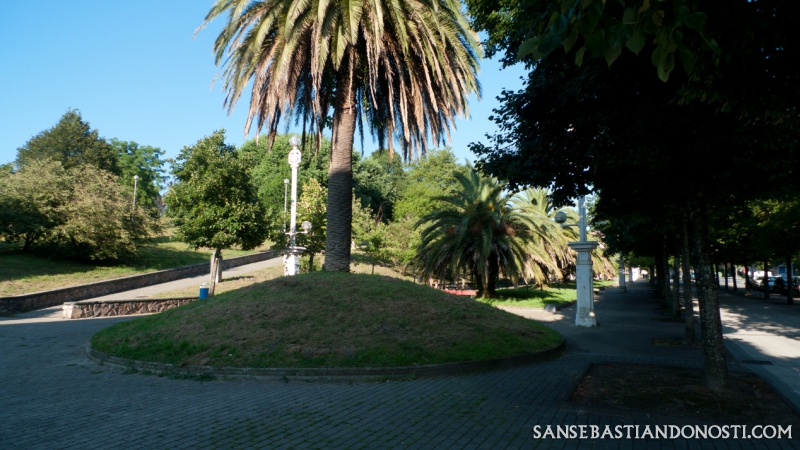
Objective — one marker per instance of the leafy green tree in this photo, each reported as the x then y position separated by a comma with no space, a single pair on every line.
79,213
213,202
376,180
96,222
426,179
407,69
622,133
30,200
478,235
146,163
311,206
71,142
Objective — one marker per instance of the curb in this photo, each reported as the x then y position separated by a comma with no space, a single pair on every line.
327,374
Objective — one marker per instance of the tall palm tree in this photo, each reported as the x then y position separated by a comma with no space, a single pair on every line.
476,234
406,67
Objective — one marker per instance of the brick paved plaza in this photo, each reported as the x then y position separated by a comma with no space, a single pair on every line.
53,397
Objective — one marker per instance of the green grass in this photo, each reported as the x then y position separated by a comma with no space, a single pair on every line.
531,297
32,272
327,319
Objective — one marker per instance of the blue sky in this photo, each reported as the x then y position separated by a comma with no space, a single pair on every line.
135,73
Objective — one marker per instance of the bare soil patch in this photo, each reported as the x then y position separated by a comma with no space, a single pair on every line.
678,395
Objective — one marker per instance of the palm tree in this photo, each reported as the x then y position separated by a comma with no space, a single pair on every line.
551,252
406,67
536,204
476,234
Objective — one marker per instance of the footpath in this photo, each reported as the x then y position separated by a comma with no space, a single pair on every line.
52,396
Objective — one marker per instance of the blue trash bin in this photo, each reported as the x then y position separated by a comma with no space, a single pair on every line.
203,292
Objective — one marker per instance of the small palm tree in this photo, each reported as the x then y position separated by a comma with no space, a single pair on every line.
549,252
476,234
553,239
405,67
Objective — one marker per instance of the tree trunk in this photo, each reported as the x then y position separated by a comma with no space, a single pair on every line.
676,282
733,274
688,303
766,282
213,273
340,174
219,266
310,262
725,268
494,275
716,275
789,293
664,279
746,278
716,367
747,284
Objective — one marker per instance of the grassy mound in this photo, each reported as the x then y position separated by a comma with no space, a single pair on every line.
327,320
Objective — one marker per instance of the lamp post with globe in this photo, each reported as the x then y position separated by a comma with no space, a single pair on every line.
585,316
291,259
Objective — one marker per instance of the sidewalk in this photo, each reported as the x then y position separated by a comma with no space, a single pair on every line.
765,334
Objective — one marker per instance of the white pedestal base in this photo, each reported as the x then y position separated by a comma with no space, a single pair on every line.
585,316
291,261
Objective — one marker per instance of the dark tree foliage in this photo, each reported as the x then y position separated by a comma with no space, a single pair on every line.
726,47
73,143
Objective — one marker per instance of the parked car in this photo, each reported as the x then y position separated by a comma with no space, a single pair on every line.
759,283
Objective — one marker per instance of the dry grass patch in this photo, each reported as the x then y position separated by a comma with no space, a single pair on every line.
327,319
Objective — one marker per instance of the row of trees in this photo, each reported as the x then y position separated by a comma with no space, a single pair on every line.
689,153
69,193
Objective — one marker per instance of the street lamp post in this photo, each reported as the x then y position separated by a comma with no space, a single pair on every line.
135,185
291,260
285,189
585,316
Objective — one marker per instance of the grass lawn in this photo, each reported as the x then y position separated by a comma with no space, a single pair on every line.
327,319
30,272
531,297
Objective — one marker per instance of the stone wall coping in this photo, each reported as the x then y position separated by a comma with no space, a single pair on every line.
327,374
128,300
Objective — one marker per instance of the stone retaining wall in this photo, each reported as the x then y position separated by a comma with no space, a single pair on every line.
107,308
44,299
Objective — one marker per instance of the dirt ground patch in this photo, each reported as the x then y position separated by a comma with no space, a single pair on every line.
678,395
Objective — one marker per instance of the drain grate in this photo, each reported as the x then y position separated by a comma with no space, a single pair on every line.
756,361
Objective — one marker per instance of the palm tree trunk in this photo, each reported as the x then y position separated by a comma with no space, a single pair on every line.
340,174
715,365
688,303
